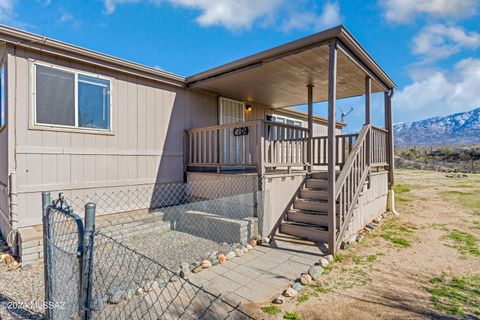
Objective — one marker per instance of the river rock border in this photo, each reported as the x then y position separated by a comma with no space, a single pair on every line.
225,253
315,271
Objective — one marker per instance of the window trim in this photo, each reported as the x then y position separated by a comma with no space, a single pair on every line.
75,128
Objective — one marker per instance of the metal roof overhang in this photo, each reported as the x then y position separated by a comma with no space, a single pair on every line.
278,77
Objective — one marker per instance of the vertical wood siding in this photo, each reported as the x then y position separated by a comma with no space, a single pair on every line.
4,155
372,203
148,121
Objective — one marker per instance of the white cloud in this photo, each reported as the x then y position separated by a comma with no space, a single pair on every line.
6,10
329,17
439,41
242,14
111,5
232,14
404,11
68,19
440,92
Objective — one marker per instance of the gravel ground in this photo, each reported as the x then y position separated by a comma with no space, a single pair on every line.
21,292
171,248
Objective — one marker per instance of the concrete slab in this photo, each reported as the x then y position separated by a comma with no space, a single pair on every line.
261,274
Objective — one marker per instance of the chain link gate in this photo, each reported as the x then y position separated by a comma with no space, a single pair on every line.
89,275
67,258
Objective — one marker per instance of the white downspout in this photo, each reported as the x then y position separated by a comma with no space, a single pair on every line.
391,192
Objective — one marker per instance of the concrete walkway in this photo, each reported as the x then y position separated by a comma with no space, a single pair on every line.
261,274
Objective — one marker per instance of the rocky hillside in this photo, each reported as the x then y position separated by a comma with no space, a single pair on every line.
454,129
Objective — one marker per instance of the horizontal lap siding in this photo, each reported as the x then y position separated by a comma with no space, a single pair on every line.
148,120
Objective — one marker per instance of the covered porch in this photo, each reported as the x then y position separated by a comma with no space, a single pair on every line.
324,67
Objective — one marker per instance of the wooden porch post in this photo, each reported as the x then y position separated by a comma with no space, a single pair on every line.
368,99
310,127
368,117
390,151
389,127
332,94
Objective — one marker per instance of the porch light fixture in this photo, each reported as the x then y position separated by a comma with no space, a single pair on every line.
248,107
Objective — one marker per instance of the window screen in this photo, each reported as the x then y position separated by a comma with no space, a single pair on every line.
93,102
55,96
231,111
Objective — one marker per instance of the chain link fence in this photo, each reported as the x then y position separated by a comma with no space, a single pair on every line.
129,285
192,221
126,268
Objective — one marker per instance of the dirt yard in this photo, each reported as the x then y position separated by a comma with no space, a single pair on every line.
424,263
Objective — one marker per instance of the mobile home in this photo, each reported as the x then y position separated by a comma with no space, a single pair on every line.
78,121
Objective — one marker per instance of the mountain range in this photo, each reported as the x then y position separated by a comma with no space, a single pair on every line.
455,129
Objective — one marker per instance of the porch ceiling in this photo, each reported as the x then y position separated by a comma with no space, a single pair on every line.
278,77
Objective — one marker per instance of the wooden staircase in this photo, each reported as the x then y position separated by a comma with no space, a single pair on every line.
307,217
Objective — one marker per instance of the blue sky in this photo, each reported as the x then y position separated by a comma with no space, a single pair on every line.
429,47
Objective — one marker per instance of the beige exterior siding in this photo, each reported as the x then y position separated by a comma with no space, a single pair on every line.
145,147
371,204
4,155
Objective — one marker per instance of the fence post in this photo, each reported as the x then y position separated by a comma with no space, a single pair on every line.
46,201
86,279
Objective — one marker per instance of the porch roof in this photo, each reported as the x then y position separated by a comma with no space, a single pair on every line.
278,77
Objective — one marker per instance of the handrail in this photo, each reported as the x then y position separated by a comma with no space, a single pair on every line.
351,182
222,126
348,164
379,129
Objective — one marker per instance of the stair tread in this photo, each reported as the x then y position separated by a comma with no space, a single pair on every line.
305,225
290,238
315,189
315,213
311,200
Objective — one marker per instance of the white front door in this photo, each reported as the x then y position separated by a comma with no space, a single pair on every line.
231,111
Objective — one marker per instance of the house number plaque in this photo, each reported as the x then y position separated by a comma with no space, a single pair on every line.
243,131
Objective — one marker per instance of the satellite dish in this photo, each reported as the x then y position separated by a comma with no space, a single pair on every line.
344,115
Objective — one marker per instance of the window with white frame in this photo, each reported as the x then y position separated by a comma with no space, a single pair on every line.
71,99
3,101
281,133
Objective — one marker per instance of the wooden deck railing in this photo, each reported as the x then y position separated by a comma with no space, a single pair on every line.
285,145
345,143
379,147
219,146
264,144
350,183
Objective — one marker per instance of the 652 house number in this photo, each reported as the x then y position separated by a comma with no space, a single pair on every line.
243,131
